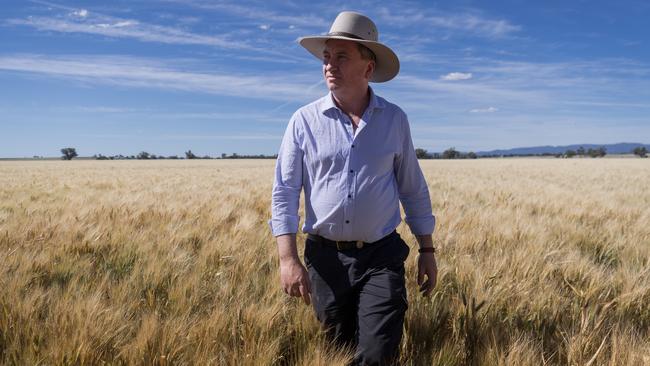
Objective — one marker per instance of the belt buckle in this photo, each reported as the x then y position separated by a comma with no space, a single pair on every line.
339,244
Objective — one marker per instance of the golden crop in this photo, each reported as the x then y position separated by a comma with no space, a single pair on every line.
542,261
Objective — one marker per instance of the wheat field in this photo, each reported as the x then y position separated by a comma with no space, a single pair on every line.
541,261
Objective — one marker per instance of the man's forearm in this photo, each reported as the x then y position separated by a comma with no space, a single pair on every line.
287,246
425,241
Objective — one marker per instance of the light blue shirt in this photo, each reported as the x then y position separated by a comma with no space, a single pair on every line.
353,181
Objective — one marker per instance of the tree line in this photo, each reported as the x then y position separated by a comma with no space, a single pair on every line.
69,153
452,153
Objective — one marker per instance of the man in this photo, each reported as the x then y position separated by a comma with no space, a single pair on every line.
352,153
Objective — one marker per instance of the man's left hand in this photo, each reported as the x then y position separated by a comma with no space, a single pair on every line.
427,267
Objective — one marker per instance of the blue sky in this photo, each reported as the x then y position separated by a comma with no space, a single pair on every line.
165,76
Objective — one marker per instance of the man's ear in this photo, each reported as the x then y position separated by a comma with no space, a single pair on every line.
370,69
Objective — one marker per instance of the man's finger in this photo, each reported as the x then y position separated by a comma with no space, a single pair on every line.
428,286
424,286
306,283
305,294
294,290
420,276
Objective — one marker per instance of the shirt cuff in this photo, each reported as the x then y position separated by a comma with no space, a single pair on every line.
421,225
287,226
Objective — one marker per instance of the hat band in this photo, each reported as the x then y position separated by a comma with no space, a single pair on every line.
345,34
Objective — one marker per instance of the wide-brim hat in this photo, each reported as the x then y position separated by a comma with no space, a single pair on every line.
356,27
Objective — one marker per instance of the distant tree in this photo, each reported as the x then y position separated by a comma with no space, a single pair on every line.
172,157
472,155
640,151
190,155
68,153
597,153
570,153
450,153
143,155
421,153
581,151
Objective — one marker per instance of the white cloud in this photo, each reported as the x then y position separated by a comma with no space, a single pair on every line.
453,76
469,22
247,11
527,87
80,13
108,26
146,73
118,24
104,109
128,28
484,110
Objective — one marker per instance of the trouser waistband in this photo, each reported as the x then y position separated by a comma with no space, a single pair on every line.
349,244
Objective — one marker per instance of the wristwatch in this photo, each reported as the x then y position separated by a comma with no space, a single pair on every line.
427,250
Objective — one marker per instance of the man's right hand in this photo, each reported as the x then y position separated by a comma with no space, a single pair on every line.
295,279
293,275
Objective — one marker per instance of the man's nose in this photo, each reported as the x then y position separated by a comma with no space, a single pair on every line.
329,64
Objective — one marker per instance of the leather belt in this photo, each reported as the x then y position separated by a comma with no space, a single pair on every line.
346,245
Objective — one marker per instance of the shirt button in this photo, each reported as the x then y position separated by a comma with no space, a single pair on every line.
352,145
347,221
349,196
351,171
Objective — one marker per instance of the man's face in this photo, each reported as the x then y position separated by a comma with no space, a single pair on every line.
343,67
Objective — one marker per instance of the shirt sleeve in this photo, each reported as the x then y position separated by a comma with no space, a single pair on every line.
287,183
412,187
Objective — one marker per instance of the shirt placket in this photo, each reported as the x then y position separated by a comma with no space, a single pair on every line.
352,164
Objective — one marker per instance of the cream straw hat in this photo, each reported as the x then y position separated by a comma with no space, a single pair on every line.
359,28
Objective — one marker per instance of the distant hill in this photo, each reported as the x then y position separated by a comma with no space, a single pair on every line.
620,148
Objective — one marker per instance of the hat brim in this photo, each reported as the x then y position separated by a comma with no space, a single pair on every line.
386,67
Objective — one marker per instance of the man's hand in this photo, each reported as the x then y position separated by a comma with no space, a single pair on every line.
293,275
427,266
294,279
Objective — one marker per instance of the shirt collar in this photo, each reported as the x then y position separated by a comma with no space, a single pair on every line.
328,102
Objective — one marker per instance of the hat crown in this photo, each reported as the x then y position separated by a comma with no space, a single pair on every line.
354,24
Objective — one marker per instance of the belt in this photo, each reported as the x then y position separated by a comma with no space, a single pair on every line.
346,245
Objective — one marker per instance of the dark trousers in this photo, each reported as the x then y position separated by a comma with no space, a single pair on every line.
359,296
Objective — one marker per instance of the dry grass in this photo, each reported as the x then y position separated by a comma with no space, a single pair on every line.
172,262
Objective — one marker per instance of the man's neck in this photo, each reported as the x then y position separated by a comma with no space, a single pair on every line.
354,104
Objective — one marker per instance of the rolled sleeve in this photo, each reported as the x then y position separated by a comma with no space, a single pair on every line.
287,183
412,187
